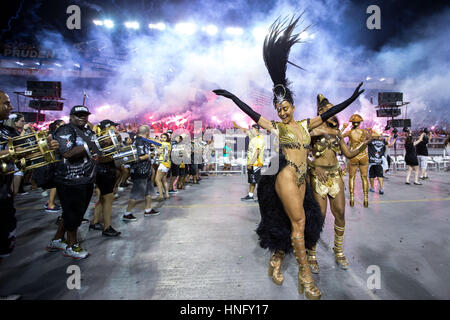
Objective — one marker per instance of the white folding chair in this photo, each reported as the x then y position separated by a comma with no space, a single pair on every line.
400,160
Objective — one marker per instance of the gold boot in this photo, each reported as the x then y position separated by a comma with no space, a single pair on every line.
305,281
351,189
365,184
275,267
341,260
312,260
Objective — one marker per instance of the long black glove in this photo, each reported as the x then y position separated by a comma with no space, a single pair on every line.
341,106
242,105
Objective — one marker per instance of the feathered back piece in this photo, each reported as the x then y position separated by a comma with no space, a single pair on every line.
277,46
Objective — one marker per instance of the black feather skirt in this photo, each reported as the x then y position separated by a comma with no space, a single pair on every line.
274,230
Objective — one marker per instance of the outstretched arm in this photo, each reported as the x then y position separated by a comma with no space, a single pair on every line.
261,121
317,121
419,140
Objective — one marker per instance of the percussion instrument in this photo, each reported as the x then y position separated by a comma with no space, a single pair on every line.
127,154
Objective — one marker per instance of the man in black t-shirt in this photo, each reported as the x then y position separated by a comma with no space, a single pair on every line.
74,177
422,153
376,150
8,212
141,176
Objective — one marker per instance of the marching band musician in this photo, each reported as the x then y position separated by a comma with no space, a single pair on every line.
141,175
7,214
105,181
74,177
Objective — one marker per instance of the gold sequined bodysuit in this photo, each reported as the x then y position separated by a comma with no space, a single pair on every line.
288,139
333,172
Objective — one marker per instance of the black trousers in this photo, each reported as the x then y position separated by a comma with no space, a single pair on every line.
74,202
8,225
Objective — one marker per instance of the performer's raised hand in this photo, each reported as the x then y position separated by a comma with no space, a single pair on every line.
356,93
241,104
224,93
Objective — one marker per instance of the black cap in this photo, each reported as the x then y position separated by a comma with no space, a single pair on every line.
79,109
106,123
256,126
170,131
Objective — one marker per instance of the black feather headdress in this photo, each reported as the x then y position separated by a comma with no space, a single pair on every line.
277,46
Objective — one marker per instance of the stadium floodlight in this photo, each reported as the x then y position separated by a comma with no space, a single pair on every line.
132,25
185,28
58,65
382,79
159,26
19,63
108,23
368,78
234,31
98,22
259,33
312,36
210,29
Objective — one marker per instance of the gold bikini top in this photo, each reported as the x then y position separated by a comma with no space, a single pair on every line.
289,139
321,144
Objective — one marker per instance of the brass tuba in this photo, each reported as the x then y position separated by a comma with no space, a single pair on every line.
27,152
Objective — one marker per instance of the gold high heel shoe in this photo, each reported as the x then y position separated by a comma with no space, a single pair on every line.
275,267
305,281
312,260
340,258
306,284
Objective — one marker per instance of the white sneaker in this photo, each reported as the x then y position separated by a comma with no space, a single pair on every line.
75,252
44,194
120,189
55,245
116,196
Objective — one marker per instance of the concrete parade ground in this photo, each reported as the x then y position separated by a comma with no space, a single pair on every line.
203,245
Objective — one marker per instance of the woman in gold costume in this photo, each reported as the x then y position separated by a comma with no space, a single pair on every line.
290,217
357,136
326,178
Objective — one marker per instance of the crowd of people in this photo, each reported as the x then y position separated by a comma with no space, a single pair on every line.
86,165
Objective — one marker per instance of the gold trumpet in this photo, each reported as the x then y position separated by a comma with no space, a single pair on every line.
27,152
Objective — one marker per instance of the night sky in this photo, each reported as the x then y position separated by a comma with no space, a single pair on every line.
20,19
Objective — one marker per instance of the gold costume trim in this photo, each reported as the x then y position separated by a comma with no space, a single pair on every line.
288,139
331,187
